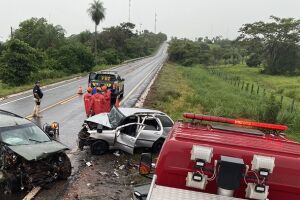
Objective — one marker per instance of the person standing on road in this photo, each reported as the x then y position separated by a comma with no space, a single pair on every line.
97,103
94,90
114,94
107,95
38,95
87,98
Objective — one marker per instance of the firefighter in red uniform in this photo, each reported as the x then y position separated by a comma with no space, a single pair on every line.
87,98
107,95
98,102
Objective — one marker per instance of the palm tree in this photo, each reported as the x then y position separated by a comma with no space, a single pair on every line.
97,13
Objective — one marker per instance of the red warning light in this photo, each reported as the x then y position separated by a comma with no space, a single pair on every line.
237,122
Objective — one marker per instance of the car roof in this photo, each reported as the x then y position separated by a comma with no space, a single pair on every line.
11,119
132,111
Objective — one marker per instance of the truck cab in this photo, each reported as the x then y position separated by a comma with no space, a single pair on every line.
107,78
224,159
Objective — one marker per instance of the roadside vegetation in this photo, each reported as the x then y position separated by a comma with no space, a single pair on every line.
272,46
255,76
181,89
38,50
287,86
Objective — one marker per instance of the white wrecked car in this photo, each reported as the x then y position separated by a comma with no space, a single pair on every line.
125,129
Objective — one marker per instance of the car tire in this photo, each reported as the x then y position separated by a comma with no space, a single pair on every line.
65,168
99,147
157,145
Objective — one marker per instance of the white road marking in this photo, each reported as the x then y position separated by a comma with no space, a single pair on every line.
43,91
135,88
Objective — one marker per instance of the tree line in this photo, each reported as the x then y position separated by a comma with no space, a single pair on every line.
273,45
40,50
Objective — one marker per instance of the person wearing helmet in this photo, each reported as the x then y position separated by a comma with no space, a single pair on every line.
98,102
87,98
107,95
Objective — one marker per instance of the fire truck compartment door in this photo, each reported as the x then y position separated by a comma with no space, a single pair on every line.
127,137
168,193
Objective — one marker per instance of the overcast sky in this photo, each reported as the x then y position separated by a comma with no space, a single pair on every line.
181,18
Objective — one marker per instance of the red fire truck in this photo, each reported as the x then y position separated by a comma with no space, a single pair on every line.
215,160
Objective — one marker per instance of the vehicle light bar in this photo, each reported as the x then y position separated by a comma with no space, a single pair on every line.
236,122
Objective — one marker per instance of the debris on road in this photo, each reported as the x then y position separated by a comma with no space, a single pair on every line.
117,153
122,167
89,164
116,173
32,193
103,173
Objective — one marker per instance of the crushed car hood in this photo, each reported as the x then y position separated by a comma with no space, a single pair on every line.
38,151
100,119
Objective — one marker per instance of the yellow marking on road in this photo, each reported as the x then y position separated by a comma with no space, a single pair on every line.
51,106
69,100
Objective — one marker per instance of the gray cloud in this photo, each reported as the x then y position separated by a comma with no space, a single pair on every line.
189,18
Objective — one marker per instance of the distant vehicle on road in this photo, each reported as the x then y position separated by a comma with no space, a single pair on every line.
125,129
28,156
107,78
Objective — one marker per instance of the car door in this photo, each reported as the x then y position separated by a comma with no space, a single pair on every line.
166,122
150,133
127,135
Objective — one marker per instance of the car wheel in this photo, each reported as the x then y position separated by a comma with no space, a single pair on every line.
157,145
65,167
99,147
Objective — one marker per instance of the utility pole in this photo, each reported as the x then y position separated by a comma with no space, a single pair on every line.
155,22
140,28
11,32
129,11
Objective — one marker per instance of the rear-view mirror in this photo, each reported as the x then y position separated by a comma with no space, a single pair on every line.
145,164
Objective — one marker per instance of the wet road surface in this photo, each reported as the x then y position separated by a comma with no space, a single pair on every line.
62,104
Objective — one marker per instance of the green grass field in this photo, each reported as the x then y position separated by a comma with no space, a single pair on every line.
181,89
288,86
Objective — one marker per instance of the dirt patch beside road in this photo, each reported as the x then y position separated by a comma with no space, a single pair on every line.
110,177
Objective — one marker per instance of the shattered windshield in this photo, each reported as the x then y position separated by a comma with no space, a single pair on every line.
22,135
115,117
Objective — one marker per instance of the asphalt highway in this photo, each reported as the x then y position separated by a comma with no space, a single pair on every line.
62,104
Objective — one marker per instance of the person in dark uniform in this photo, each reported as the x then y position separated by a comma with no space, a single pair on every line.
37,95
114,94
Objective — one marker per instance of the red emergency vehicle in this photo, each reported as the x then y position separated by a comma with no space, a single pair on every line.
220,161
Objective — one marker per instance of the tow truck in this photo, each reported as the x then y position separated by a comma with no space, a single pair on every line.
211,157
107,78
